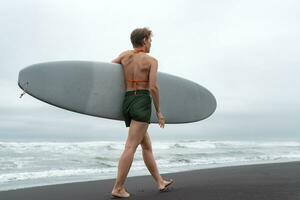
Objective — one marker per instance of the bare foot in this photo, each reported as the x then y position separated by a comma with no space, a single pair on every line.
120,193
164,185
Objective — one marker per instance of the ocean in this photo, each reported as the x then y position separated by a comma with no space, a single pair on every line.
37,163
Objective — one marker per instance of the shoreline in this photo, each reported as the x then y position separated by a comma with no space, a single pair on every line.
137,174
254,181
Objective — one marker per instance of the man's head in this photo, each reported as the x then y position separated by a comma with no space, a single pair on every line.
141,38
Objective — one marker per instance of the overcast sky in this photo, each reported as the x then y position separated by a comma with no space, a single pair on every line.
245,52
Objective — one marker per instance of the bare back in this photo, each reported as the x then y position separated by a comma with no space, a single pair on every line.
136,67
140,73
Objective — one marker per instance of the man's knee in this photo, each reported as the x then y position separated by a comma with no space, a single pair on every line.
146,147
145,143
130,147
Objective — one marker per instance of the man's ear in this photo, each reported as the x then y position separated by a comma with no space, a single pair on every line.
144,41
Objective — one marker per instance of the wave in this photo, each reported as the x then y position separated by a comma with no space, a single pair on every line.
176,145
49,173
51,161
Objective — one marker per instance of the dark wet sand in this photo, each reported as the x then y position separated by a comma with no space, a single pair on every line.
263,181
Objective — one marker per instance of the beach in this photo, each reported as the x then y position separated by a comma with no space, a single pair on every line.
259,181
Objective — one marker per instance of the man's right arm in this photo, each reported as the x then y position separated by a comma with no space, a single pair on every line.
154,90
153,86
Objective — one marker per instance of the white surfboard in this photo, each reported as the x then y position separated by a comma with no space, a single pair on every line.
97,89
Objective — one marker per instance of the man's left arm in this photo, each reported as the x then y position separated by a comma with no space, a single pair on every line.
119,58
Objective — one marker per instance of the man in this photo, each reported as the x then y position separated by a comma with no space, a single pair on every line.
140,74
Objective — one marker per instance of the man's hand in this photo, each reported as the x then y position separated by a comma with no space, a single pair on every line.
161,119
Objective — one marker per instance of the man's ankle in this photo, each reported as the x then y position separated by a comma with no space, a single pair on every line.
118,188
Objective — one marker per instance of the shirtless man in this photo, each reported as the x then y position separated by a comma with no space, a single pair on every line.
140,72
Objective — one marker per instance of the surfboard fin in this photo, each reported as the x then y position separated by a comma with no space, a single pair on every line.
24,92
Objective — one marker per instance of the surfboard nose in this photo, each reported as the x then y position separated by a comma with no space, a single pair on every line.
184,101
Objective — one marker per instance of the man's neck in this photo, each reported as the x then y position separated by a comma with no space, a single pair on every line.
137,50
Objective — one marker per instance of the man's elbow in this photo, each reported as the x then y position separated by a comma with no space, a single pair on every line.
153,88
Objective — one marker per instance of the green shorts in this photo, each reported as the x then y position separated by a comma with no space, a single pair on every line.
137,107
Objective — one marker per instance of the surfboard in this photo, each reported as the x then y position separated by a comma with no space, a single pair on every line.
97,89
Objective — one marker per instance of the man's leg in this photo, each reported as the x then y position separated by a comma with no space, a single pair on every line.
135,135
150,161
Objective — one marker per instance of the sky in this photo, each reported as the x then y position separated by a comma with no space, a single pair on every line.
245,52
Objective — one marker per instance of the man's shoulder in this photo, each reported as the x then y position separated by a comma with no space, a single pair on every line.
151,58
125,52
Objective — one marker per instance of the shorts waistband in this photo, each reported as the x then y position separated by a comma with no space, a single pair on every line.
133,92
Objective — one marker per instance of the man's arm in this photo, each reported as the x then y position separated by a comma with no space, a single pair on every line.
119,58
153,86
118,61
155,92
